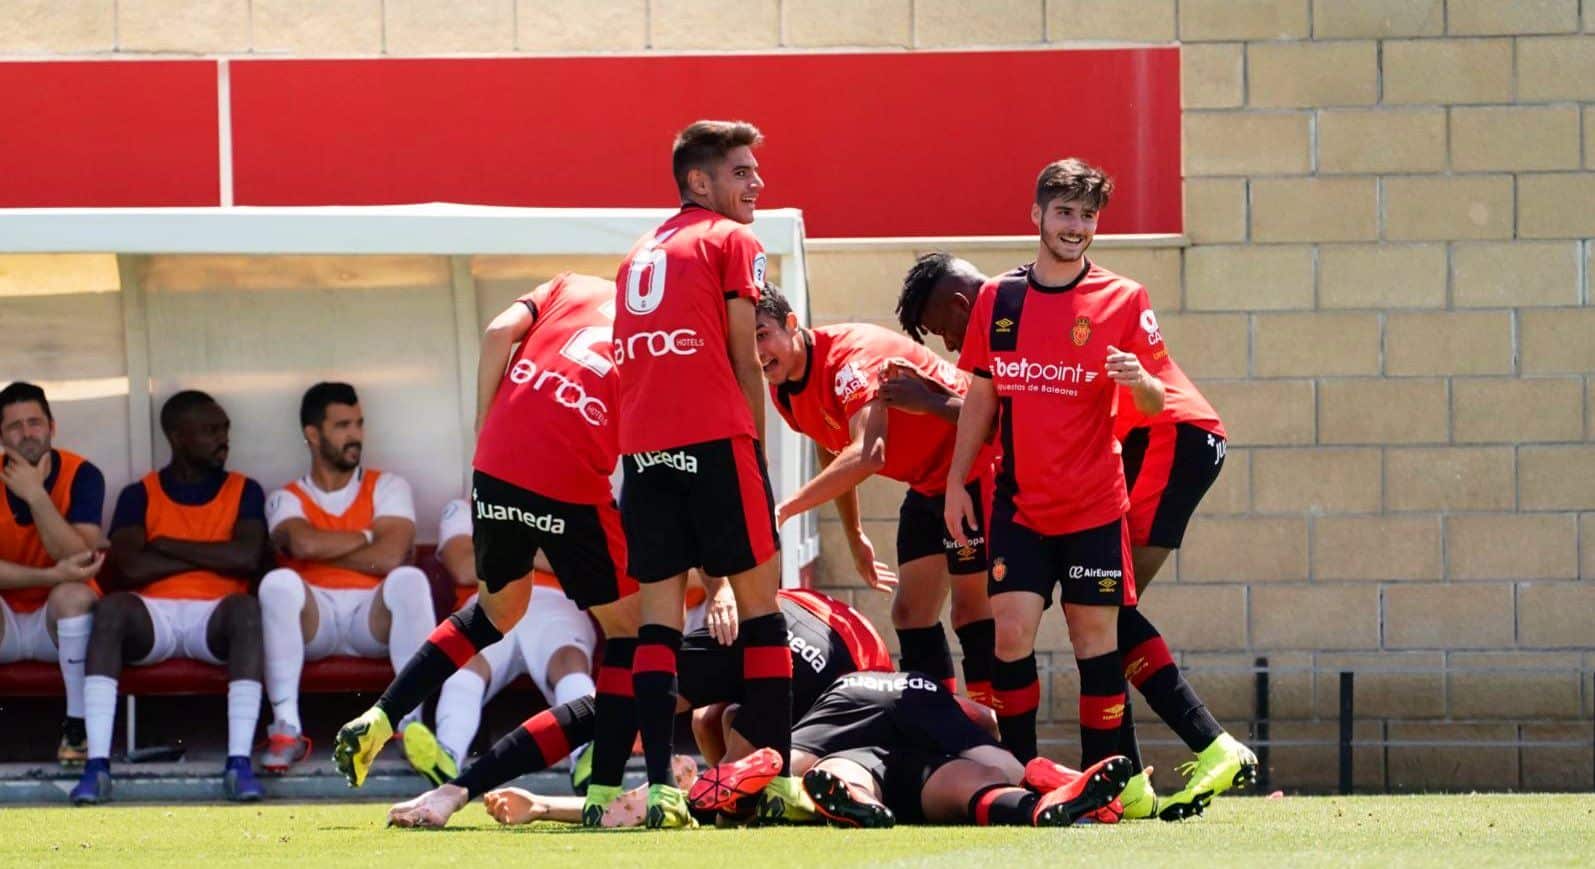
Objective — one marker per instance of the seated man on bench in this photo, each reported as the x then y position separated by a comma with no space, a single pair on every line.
186,542
49,527
343,534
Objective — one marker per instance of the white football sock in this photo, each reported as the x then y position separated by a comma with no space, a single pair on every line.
573,686
99,713
282,601
72,647
243,712
460,712
408,597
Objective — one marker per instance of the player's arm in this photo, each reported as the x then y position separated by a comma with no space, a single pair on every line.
905,388
498,342
876,574
392,539
297,538
75,568
137,565
60,537
974,429
863,456
744,353
458,556
239,555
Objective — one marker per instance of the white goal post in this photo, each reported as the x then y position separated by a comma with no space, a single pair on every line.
253,304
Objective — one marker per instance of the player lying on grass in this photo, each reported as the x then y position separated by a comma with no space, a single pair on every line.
828,639
881,748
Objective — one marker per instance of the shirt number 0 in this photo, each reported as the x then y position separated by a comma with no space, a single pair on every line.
649,261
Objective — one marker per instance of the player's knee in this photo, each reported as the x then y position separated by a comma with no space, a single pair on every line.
70,599
911,611
282,590
406,588
567,660
505,608
115,613
1016,638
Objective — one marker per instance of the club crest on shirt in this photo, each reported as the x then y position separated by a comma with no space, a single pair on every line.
760,263
1081,332
849,381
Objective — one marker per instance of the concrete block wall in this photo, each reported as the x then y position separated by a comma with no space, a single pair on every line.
1386,293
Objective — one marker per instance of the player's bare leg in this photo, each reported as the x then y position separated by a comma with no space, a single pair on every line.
1148,560
1014,681
709,730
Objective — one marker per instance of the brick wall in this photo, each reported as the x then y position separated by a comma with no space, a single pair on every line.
1386,294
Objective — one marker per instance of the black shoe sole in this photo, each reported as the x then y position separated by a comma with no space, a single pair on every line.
1105,784
835,801
1184,811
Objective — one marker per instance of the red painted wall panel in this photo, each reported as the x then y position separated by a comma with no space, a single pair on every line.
108,133
924,143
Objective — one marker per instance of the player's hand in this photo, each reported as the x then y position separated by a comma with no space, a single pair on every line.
1124,368
720,617
78,568
958,514
876,574
904,388
25,478
783,512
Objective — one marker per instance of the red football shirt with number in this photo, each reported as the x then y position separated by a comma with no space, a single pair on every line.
1182,402
1045,349
844,373
551,426
677,386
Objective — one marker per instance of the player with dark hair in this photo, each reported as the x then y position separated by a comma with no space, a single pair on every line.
697,492
187,542
826,384
546,447
1182,449
344,586
827,639
49,531
1058,516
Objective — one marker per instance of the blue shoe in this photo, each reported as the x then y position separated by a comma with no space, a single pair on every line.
239,782
95,785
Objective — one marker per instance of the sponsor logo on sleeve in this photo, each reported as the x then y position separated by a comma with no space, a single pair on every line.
1150,327
760,263
849,381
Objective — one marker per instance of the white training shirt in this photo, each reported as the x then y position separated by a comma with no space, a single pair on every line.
391,498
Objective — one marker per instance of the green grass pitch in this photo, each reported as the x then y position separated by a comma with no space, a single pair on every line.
1471,831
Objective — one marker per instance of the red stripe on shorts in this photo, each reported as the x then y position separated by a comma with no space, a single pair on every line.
1152,481
757,511
1127,559
451,641
767,662
615,542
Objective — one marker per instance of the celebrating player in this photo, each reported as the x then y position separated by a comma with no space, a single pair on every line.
545,450
826,384
697,493
1182,449
1059,512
